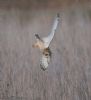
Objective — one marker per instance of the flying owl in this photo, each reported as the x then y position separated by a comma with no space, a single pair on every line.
43,45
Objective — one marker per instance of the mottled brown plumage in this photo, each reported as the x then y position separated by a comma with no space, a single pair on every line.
43,45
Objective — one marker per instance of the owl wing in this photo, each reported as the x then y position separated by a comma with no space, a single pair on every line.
44,62
49,38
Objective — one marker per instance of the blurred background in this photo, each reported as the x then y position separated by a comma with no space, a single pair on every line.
68,76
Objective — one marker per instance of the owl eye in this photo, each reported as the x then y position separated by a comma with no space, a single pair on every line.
46,54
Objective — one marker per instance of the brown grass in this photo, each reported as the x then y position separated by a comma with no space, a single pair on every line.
68,76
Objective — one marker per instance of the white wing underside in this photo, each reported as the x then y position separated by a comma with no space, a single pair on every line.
49,38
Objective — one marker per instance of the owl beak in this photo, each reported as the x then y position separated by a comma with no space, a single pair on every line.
43,68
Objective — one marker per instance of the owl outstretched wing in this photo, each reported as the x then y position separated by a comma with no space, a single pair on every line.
49,38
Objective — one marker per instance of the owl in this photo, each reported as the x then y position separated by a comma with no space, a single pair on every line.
43,45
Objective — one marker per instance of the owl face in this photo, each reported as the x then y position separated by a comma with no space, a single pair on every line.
44,62
46,56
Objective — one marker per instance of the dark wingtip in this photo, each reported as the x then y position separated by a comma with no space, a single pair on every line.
36,35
